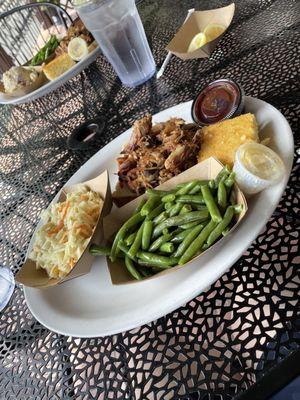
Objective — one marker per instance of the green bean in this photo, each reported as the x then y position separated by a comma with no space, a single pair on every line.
169,205
188,240
165,231
211,184
175,209
143,263
179,220
179,237
147,234
154,213
96,250
158,261
232,197
132,270
190,199
130,239
197,243
154,268
161,193
137,242
198,207
190,225
197,188
230,178
152,265
185,209
150,204
160,218
222,174
226,231
167,247
176,231
210,204
130,223
194,188
144,271
229,182
140,206
222,196
238,208
159,241
217,231
125,250
229,191
170,197
186,188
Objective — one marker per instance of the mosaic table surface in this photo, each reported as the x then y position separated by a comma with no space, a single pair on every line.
227,338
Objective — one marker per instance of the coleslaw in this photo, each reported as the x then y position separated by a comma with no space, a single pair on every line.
67,229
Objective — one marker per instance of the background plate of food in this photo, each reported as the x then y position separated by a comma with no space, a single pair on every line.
92,306
54,64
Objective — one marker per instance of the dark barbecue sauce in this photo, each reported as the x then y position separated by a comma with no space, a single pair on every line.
217,101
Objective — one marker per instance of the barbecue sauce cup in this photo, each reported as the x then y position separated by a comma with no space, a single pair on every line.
217,101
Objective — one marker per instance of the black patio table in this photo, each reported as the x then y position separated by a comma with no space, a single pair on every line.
240,338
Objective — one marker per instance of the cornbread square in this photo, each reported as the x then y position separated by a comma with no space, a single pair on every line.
58,66
222,139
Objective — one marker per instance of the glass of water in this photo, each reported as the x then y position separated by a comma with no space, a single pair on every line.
7,285
118,29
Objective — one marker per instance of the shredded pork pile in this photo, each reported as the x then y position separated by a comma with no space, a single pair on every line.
156,153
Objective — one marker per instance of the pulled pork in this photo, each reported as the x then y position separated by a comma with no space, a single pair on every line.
156,153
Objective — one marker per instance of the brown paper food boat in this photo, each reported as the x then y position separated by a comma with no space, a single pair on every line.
29,275
207,169
195,24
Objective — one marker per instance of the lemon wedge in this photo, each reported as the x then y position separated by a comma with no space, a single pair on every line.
77,49
198,41
212,31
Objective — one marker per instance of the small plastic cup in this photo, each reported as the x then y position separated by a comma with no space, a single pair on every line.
257,167
217,101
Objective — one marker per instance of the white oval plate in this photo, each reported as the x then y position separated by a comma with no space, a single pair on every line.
52,85
91,306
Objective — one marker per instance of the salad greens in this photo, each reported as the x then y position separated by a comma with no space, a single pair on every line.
45,51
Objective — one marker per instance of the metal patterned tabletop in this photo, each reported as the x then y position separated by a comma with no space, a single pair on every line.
231,336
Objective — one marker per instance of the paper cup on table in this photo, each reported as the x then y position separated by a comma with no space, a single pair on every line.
29,275
207,169
195,24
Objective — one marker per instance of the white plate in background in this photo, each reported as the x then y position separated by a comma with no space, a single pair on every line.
51,85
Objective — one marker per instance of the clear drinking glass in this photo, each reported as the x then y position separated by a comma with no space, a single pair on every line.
7,285
118,29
